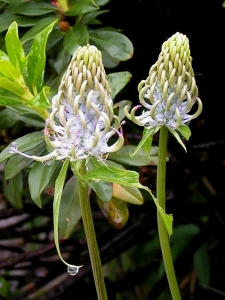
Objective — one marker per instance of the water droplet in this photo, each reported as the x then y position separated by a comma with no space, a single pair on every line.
48,162
73,270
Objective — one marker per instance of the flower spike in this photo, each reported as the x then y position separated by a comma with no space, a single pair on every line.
80,123
170,90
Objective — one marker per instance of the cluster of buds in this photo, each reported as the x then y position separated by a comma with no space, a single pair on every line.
170,90
82,120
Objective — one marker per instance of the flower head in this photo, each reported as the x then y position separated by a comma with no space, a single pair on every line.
170,90
80,123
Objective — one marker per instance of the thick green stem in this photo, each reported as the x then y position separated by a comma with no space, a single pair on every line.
163,235
91,237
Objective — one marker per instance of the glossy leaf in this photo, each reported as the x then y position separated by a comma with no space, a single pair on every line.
127,194
109,61
18,162
9,98
117,81
35,9
14,48
8,17
123,156
69,212
37,28
88,18
32,119
16,89
82,7
13,190
184,131
24,143
116,212
36,60
7,118
3,56
75,37
114,43
41,100
101,2
38,179
10,71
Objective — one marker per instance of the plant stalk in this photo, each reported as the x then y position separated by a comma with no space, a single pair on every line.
91,237
163,235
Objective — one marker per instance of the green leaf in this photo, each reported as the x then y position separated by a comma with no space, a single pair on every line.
18,162
75,37
3,56
36,59
147,134
116,44
15,88
38,179
14,48
56,204
109,61
13,190
139,159
9,98
8,70
103,189
32,119
35,9
117,82
37,28
7,118
41,100
184,131
70,212
87,18
24,143
5,287
176,135
101,2
9,17
202,264
128,178
82,7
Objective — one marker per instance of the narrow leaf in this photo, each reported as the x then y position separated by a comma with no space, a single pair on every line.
36,59
56,204
184,131
14,48
127,194
15,88
176,135
13,190
35,9
24,143
69,213
41,100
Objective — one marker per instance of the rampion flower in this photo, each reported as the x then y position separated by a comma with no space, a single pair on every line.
170,90
80,123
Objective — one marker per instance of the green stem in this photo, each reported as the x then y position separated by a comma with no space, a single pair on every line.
163,235
91,237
